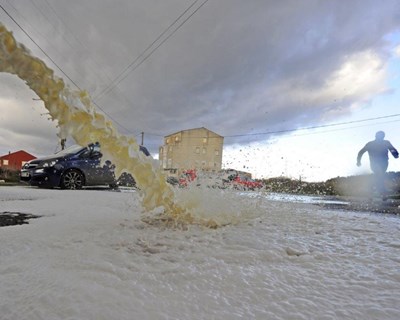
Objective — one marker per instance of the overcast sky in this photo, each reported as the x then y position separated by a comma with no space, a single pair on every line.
238,68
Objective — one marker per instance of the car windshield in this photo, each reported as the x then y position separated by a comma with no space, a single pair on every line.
70,150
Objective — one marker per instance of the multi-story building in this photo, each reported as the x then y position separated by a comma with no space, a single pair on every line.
199,149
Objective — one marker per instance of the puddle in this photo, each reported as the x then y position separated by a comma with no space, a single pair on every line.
15,218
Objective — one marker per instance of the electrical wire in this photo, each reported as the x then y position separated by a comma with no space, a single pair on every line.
120,93
111,85
115,84
65,38
59,68
342,129
40,48
301,129
314,127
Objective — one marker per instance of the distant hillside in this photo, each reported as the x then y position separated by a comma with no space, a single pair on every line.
343,186
361,185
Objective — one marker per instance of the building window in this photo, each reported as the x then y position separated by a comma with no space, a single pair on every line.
204,150
204,140
217,152
5,162
177,139
197,150
203,163
167,141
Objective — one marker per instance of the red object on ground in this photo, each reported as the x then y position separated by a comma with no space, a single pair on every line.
246,183
187,177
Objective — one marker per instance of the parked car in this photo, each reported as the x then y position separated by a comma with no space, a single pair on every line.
187,177
172,180
71,168
246,183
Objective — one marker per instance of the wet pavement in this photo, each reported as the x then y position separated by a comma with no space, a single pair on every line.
15,218
391,205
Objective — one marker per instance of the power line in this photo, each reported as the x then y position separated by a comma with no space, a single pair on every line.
80,43
54,27
346,128
301,129
111,85
44,52
313,127
120,93
62,71
123,77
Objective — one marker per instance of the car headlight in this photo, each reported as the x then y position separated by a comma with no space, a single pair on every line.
49,163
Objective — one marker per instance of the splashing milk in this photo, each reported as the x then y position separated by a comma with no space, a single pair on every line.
77,118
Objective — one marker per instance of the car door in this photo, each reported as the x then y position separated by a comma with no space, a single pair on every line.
95,172
87,163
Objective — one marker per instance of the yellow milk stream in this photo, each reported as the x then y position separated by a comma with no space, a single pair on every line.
77,118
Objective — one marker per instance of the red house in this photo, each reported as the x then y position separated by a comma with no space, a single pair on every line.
15,160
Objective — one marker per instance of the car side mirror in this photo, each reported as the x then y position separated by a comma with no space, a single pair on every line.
94,147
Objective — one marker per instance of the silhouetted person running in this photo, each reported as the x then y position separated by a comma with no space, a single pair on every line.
378,158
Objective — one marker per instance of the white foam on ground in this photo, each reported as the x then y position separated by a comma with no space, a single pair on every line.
91,257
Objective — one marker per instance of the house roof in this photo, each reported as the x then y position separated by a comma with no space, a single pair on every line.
20,152
191,130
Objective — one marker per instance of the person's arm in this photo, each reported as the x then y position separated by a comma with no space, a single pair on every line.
393,150
360,154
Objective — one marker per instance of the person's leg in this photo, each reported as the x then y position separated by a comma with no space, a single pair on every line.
379,170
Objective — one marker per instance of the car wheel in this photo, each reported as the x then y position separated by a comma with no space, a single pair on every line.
72,179
113,186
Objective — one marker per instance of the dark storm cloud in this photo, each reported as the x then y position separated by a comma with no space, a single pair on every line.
235,67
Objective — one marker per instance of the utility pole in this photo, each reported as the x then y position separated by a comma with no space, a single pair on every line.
142,138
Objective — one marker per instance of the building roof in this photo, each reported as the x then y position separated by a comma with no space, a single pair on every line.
192,130
19,153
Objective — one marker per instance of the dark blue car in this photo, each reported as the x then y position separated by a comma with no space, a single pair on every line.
71,168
